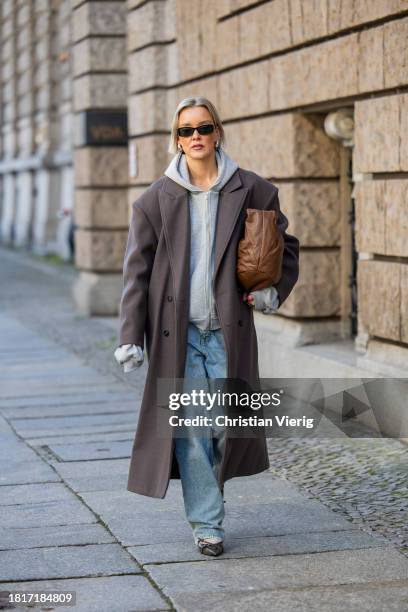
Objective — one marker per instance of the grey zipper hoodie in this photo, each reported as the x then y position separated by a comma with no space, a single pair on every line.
203,206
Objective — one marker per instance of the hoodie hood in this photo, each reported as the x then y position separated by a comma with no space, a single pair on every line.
177,170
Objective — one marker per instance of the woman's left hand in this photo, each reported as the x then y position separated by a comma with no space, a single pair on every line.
248,298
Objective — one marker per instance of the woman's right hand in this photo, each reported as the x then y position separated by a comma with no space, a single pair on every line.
130,356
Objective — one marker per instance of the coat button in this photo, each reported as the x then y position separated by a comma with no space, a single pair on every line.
170,298
166,332
240,322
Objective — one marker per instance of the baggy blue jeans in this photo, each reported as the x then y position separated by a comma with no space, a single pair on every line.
199,455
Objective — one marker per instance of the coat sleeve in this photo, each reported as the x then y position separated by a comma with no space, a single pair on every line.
290,263
137,268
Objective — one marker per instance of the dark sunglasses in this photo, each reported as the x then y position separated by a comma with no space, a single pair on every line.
208,128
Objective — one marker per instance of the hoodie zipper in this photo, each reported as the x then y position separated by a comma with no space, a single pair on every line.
208,262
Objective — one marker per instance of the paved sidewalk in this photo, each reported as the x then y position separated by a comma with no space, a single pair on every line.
67,521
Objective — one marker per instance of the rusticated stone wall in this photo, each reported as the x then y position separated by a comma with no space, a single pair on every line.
101,170
381,155
275,70
36,163
152,60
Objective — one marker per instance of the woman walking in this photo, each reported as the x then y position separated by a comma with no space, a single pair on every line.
181,295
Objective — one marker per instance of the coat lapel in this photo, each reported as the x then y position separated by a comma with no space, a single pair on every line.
175,213
231,200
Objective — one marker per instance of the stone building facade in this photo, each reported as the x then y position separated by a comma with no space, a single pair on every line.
313,97
36,122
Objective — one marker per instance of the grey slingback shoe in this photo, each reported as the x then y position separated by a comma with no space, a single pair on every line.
211,549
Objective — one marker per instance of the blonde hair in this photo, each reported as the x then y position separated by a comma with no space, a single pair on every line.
196,101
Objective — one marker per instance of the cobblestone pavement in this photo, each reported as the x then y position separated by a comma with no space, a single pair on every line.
323,531
365,480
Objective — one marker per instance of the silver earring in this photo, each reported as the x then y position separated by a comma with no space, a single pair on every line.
180,148
217,145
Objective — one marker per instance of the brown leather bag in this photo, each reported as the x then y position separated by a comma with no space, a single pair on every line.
260,252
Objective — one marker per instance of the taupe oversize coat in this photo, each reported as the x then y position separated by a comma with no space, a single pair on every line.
155,307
